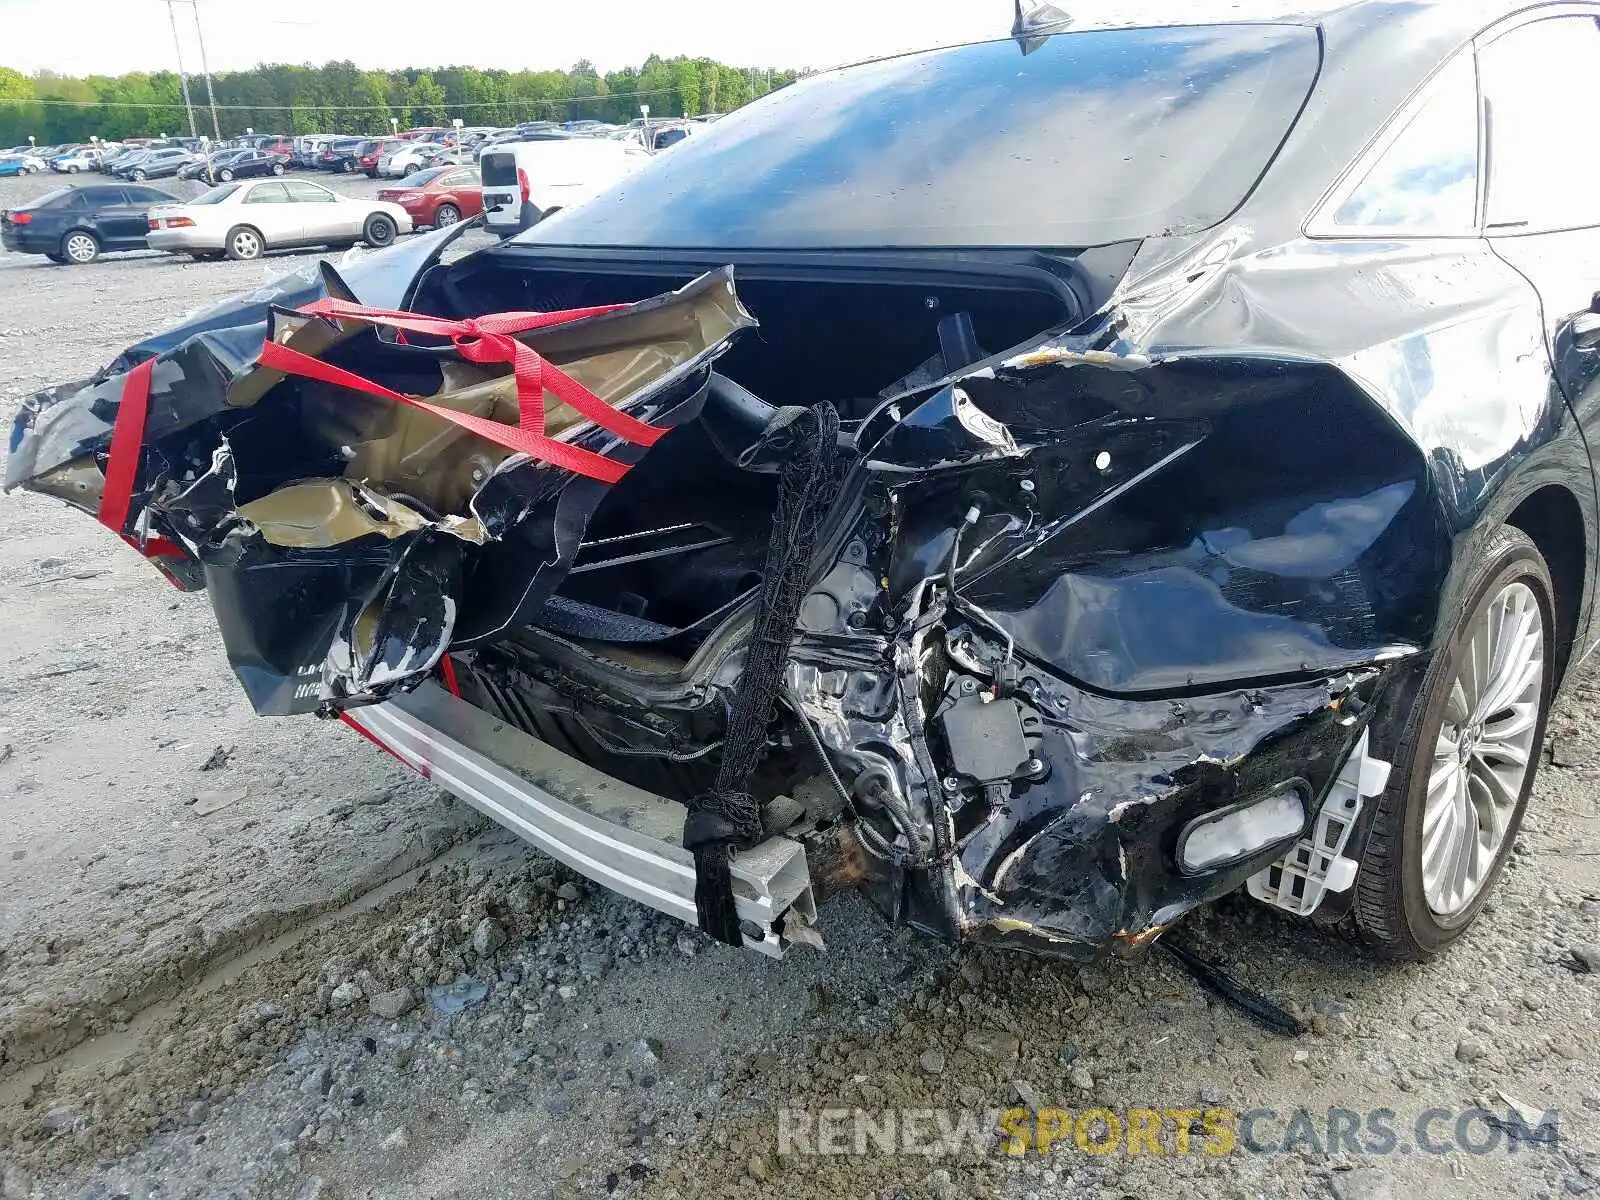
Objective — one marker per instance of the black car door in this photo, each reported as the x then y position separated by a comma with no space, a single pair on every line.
1542,199
140,201
113,218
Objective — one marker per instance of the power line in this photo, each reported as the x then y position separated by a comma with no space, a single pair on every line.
506,103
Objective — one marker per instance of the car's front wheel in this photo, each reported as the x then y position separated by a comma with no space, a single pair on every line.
277,168
379,231
138,176
1445,826
245,243
80,248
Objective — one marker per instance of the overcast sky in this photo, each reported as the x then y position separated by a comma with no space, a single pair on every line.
79,37
108,37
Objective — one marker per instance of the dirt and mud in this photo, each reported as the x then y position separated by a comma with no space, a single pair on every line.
246,957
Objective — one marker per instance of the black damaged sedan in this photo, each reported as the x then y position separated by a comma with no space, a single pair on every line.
1162,469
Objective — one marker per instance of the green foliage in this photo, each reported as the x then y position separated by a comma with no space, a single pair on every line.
339,97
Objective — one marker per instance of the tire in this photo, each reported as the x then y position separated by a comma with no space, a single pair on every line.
1412,899
245,243
225,175
379,231
277,168
347,167
79,247
138,175
446,215
72,170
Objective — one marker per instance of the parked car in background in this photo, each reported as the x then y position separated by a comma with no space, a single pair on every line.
341,156
372,152
205,168
73,159
276,144
524,182
438,196
234,164
421,132
409,157
111,163
498,138
76,224
250,164
157,164
307,147
23,163
245,220
662,137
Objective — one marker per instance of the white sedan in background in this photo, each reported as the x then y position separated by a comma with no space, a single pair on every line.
404,160
245,220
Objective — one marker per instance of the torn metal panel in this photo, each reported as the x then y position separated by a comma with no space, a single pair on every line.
265,476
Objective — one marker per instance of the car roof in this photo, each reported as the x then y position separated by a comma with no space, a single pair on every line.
1390,17
1142,13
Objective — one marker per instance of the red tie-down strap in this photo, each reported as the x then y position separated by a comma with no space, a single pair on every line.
278,357
122,468
489,340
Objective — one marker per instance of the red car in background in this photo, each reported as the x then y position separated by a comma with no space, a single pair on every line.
372,151
438,196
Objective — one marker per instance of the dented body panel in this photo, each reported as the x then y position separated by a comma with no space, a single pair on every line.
1167,526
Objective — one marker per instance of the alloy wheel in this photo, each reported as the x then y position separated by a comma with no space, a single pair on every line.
80,248
447,215
246,244
1485,750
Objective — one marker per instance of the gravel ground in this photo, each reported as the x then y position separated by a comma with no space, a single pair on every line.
242,957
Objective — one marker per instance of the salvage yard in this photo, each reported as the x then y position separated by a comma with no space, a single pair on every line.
244,956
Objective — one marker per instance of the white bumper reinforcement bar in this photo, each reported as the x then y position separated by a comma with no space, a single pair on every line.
611,832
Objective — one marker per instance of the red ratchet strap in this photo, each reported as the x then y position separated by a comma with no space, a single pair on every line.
122,464
127,440
572,458
489,339
447,671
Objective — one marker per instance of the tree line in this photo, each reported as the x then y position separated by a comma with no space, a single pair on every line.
339,97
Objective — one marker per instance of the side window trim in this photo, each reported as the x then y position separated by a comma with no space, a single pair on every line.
1323,224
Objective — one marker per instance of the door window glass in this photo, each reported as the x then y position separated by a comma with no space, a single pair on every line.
267,193
1538,84
307,193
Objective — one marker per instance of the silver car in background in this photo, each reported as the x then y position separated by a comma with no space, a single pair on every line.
245,220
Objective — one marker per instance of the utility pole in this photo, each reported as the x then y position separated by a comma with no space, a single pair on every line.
183,78
211,96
